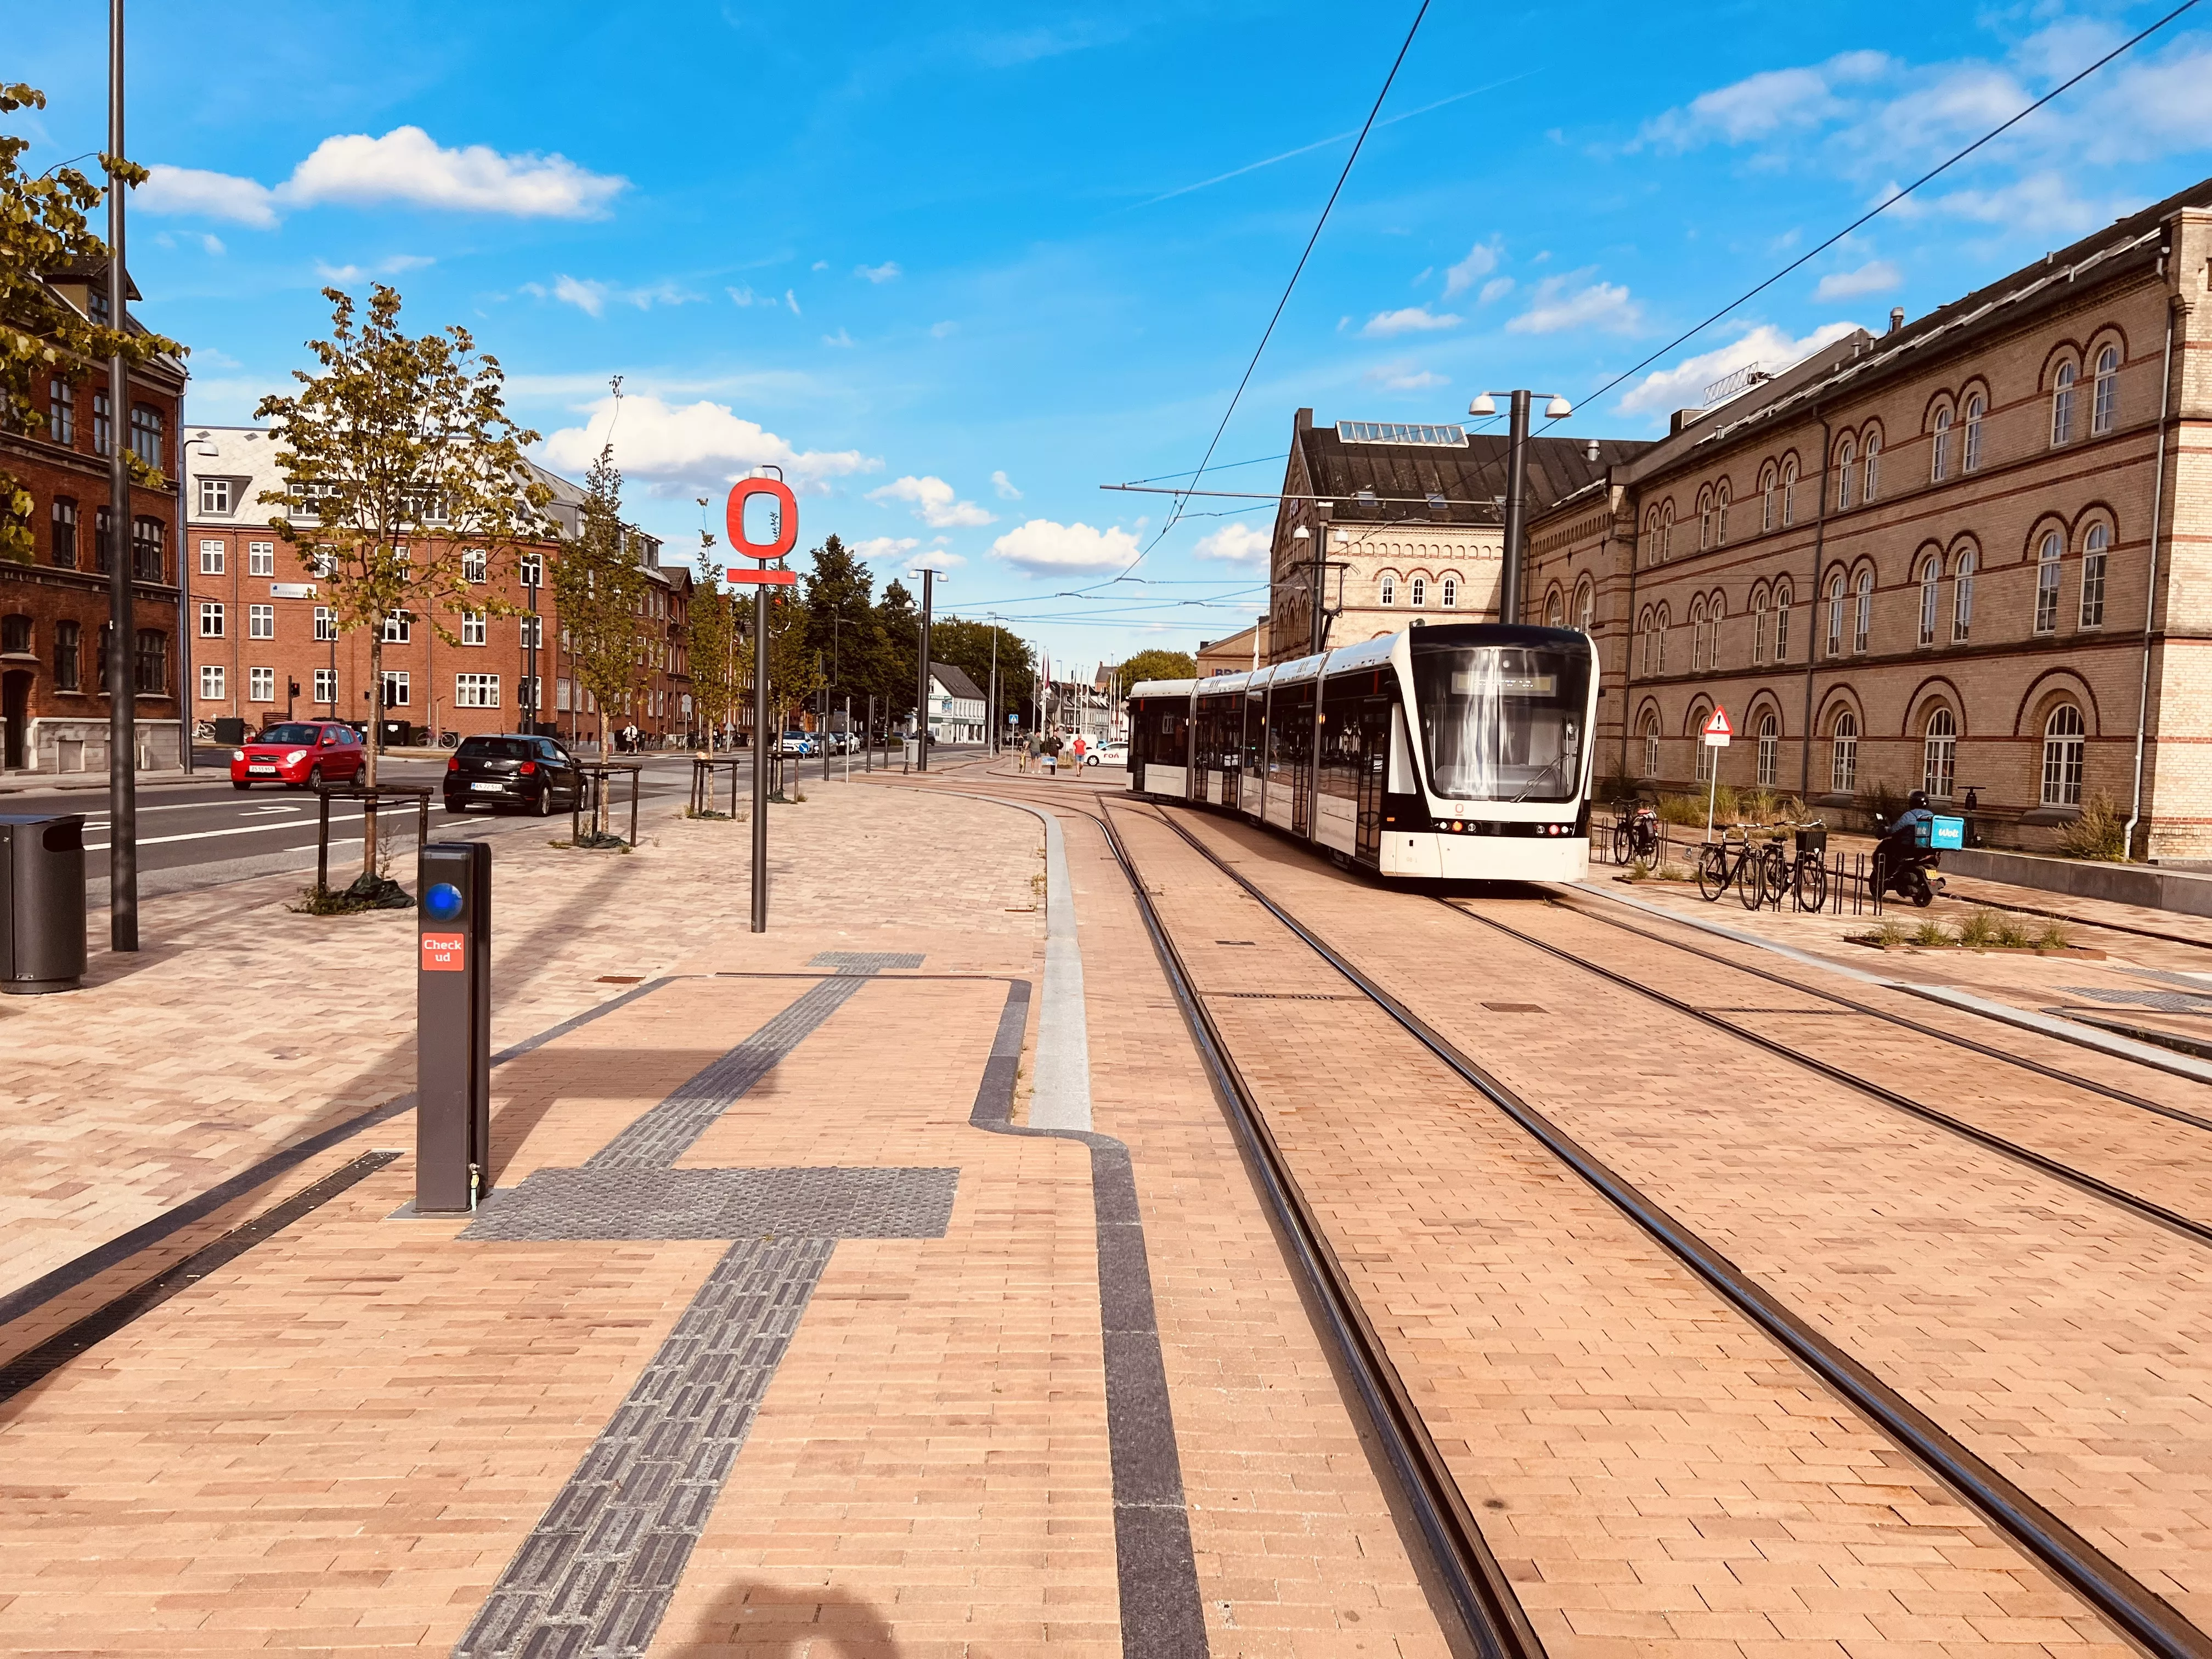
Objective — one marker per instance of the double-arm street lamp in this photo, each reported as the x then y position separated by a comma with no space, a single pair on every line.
1516,477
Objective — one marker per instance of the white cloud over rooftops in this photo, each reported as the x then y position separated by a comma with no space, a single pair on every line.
885,547
405,166
1683,386
1875,276
692,446
934,501
1044,544
1236,544
1409,319
1557,304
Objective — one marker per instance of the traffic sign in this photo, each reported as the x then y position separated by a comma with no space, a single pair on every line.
1716,731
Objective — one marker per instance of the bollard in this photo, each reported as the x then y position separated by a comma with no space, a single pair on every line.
452,1029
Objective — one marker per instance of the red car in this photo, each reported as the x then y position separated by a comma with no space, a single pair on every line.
300,753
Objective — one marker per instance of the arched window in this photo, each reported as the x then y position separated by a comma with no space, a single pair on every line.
1781,621
1716,609
1703,752
1931,578
1973,452
1873,465
1705,522
1962,598
1836,613
1645,627
1417,592
1766,500
1759,602
1651,745
2063,744
1721,515
1665,620
1939,452
1390,595
1844,754
2105,403
1554,612
1697,635
1939,754
2047,558
1448,593
1863,621
1769,745
2095,546
1789,492
1586,606
1847,456
1667,532
2061,406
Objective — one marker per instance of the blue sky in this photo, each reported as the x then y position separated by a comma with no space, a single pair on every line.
954,266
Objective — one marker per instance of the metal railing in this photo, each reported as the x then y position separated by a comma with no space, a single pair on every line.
1846,879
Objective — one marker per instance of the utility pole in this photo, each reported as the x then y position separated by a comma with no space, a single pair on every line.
122,640
921,670
991,706
1516,480
760,759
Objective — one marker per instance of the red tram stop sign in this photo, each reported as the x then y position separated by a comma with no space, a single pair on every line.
1716,731
786,532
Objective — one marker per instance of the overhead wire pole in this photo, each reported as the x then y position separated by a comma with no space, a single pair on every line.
928,575
122,683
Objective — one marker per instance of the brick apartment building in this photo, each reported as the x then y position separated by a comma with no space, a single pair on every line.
54,609
260,630
1969,554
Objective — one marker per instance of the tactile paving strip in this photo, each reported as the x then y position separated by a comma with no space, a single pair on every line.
658,1203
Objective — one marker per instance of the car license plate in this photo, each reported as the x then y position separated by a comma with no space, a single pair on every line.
261,769
489,788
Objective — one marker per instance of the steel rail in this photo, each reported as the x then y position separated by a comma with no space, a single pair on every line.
2055,1073
1482,1596
2146,1618
2119,1197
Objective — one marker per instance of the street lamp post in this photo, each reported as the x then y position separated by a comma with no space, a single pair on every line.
928,575
1516,479
122,664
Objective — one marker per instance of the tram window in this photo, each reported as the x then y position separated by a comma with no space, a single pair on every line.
1501,722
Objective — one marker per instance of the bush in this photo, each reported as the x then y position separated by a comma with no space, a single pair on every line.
2100,833
1890,933
2013,935
1930,932
2054,937
1979,928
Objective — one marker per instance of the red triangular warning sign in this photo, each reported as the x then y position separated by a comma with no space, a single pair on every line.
1716,724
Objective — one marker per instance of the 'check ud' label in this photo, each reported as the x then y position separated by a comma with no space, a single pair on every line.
441,953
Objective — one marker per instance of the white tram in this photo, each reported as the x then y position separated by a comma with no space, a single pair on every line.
1460,752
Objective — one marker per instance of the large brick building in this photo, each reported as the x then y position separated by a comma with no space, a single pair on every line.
260,628
54,609
1970,554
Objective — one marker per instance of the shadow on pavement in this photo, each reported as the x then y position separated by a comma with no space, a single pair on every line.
766,1620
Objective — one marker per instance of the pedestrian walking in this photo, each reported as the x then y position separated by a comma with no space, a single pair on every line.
1052,754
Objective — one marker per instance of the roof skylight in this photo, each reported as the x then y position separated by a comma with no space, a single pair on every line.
1392,432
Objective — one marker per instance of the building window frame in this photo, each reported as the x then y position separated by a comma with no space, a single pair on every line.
399,687
1939,754
1837,587
1782,598
1862,613
2049,563
61,534
326,687
261,558
218,496
211,619
1417,589
2096,549
1844,754
1769,750
61,411
69,671
2062,405
1847,457
2065,754
472,628
261,685
1970,456
1962,597
1870,469
1388,594
1448,593
1939,451
260,622
211,682
212,558
327,624
2105,394
476,690
1931,589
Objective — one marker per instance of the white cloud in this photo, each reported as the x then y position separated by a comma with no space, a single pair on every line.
1043,544
1761,105
1005,486
1683,386
1496,288
745,297
939,330
935,504
819,265
2040,203
881,273
405,165
1554,308
840,339
885,547
1876,277
1403,377
390,266
213,245
591,297
1412,319
696,445
1481,259
790,299
937,558
191,192
1236,544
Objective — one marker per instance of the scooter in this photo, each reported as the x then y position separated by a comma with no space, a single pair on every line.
1902,865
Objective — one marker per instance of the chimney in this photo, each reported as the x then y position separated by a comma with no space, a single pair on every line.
1682,417
1589,451
1304,422
1896,318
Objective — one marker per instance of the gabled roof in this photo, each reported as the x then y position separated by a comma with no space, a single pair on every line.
955,682
1471,479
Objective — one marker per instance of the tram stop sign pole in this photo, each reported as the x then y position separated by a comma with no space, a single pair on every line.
452,1029
786,538
1715,734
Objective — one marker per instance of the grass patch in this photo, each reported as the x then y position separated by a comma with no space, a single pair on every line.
1932,932
2054,937
1890,933
1980,928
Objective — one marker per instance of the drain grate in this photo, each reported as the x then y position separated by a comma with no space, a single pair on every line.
1514,1008
1288,996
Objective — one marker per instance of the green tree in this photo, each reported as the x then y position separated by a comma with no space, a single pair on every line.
600,588
1156,666
45,231
404,480
839,594
717,640
967,646
899,619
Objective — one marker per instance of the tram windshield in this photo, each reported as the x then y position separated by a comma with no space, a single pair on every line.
1501,722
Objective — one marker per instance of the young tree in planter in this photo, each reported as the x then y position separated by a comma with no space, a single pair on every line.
717,640
600,589
44,232
401,472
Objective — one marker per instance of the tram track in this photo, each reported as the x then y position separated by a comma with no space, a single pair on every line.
2103,1584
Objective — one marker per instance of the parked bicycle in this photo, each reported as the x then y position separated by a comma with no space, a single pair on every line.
1735,861
1636,835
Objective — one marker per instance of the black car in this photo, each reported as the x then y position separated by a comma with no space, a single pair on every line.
535,773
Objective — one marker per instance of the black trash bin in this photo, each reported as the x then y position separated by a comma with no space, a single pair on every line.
395,735
41,903
230,730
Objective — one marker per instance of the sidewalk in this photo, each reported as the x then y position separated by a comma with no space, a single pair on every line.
770,1333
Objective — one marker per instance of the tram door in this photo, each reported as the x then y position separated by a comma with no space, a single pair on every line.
1373,751
1291,751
